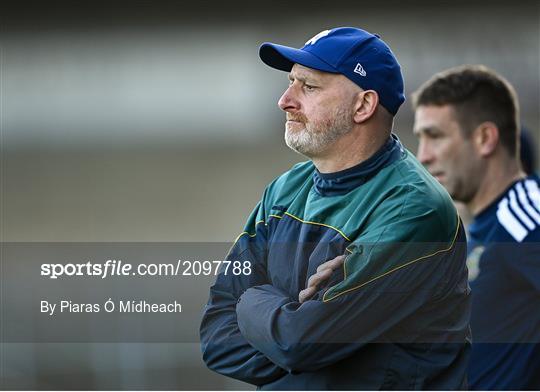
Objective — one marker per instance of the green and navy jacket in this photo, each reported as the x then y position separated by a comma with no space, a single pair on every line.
396,316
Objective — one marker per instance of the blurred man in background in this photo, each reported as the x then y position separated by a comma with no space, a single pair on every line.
467,123
357,276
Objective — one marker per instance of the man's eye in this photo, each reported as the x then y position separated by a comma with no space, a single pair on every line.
432,135
291,81
309,87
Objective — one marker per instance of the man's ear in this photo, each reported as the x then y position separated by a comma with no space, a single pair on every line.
365,105
486,138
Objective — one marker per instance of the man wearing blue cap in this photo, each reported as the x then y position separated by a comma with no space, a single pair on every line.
358,277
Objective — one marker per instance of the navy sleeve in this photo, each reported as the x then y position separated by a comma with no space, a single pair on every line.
370,305
224,348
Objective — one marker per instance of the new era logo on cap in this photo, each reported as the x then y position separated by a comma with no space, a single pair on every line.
360,70
348,51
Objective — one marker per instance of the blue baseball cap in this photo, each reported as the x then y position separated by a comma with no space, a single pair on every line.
362,57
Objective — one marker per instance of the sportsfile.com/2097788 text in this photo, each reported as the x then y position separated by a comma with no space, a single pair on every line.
119,268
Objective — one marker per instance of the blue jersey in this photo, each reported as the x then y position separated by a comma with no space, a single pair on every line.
504,274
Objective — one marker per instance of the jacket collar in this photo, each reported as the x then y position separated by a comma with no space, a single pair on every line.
341,182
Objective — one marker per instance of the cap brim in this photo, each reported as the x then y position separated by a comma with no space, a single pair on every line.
283,58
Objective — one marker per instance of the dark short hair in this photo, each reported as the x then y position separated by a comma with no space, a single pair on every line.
477,94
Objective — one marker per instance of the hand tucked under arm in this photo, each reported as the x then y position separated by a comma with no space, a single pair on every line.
324,272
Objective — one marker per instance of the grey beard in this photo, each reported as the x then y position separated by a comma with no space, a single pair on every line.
312,142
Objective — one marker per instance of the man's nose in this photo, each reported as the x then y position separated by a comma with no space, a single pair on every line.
424,153
288,101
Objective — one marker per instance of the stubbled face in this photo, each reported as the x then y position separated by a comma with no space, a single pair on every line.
319,108
446,153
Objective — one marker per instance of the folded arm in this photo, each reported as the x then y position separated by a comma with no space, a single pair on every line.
385,284
224,348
